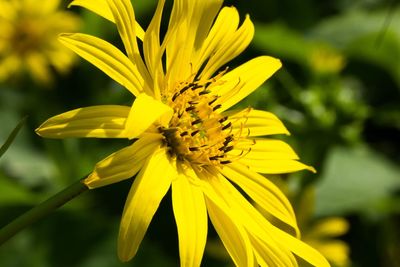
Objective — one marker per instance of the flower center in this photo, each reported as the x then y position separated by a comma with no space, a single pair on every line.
197,133
27,36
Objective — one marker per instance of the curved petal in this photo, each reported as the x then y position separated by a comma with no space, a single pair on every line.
147,191
263,192
124,163
231,195
95,121
225,25
191,220
145,111
267,257
225,222
264,149
275,166
100,7
188,26
229,47
152,50
255,122
277,240
240,82
107,58
124,17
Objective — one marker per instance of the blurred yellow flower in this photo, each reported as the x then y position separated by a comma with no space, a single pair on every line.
28,38
322,235
326,60
184,137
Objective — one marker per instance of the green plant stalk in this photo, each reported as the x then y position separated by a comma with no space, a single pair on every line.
41,210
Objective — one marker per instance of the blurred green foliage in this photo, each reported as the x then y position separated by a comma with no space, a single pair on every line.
338,94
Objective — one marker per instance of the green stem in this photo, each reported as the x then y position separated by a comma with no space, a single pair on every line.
41,210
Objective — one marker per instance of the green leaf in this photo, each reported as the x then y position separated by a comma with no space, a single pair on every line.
355,180
12,136
277,39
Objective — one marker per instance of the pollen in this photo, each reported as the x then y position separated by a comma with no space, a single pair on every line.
198,133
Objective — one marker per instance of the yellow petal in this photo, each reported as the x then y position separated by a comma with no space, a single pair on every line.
275,166
240,82
263,149
147,191
236,201
95,121
225,25
100,7
330,227
267,257
124,163
263,192
144,112
124,17
191,220
255,122
229,47
232,234
276,239
152,50
300,248
107,58
189,23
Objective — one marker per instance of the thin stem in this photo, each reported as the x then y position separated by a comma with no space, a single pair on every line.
41,210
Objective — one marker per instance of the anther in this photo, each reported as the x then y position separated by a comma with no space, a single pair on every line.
212,101
197,121
215,157
175,96
223,119
184,89
197,86
217,107
194,132
204,92
227,140
193,148
190,108
227,126
184,133
225,162
227,149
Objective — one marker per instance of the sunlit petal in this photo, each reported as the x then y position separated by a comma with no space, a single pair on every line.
255,122
95,121
240,82
107,58
191,220
147,191
101,8
263,192
124,163
144,112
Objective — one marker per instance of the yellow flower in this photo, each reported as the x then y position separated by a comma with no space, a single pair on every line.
28,38
322,236
184,137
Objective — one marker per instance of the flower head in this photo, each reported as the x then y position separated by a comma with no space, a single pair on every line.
28,38
184,137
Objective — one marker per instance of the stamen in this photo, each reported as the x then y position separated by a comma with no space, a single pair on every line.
194,133
204,92
217,107
227,126
197,121
190,108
